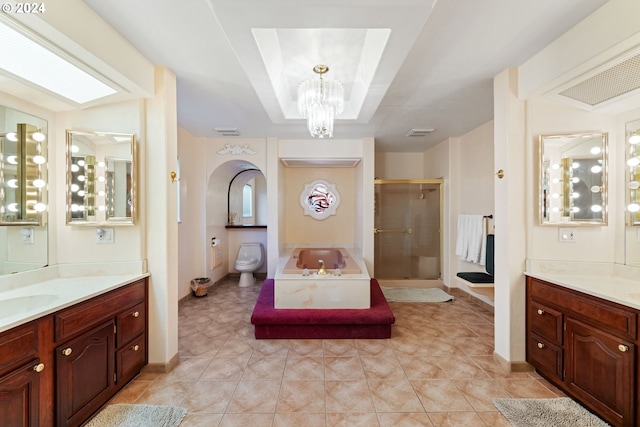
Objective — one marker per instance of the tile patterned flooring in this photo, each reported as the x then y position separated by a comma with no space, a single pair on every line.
436,370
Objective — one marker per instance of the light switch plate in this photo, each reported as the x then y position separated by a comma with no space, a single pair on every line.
567,235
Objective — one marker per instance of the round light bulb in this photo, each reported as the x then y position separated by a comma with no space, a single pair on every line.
38,136
555,166
634,139
75,148
596,189
575,195
575,209
39,183
81,193
596,208
75,168
633,207
101,178
74,208
81,163
81,178
634,185
555,195
40,207
596,169
101,164
556,180
12,160
101,208
575,180
12,207
575,165
12,136
13,183
39,160
633,162
75,188
101,193
595,150
555,209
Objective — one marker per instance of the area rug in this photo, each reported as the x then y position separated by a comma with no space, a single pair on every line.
123,415
561,411
416,295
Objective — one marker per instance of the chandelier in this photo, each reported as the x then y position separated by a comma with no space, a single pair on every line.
320,101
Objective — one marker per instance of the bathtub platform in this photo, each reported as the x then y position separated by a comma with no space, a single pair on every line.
341,323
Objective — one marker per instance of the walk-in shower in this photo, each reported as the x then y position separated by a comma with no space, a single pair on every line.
407,233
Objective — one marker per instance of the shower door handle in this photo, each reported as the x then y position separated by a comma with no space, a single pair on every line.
377,230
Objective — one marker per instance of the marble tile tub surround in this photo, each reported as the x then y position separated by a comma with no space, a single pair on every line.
613,282
63,285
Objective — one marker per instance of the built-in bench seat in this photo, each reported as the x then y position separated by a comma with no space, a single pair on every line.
479,279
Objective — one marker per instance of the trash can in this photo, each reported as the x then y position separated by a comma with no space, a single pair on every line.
200,286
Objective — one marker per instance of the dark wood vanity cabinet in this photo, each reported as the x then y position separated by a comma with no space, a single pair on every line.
101,345
587,347
60,369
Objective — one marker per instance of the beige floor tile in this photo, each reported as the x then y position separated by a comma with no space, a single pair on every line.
440,396
382,367
339,348
201,420
479,392
343,368
304,368
209,396
456,419
494,419
225,368
301,396
405,420
357,419
255,397
348,396
306,348
374,347
171,394
300,419
264,368
394,395
246,420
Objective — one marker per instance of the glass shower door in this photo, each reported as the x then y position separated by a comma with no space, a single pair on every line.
407,229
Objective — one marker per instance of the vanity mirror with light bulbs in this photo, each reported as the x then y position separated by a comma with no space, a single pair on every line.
573,179
101,178
632,193
23,198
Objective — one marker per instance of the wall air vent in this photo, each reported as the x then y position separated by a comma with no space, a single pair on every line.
419,132
611,81
228,131
332,163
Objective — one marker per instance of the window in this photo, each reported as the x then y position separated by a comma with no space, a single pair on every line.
247,201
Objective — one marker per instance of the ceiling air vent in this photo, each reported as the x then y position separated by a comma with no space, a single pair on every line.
228,131
609,83
419,132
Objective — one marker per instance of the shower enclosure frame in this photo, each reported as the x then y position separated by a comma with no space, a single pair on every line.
440,183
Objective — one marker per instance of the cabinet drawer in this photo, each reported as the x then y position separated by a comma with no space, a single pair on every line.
605,315
130,359
130,323
545,356
546,322
18,345
97,310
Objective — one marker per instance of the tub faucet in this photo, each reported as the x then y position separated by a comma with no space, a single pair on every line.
321,270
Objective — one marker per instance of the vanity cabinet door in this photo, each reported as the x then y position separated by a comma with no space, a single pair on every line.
85,370
20,395
600,371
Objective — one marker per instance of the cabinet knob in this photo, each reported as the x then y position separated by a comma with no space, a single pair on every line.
540,345
135,347
623,348
39,367
136,314
67,351
540,311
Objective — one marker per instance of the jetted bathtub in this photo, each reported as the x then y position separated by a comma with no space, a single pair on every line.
347,288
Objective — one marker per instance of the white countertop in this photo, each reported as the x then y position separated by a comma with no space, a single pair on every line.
611,282
30,295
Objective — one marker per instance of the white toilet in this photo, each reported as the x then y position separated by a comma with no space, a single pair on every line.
250,258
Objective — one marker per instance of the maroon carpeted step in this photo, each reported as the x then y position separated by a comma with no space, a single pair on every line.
272,323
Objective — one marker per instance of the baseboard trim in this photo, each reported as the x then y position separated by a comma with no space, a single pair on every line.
509,366
162,368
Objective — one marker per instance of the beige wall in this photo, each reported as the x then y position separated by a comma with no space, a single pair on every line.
303,229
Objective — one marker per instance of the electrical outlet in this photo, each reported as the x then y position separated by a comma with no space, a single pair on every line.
567,235
104,235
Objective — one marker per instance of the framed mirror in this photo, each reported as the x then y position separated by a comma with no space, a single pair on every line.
23,169
101,178
632,193
573,179
23,192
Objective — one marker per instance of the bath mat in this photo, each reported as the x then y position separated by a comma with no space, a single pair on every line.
561,411
123,415
416,295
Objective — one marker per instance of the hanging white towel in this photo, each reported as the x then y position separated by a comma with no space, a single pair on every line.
471,239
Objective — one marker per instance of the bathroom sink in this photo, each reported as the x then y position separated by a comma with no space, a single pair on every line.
10,307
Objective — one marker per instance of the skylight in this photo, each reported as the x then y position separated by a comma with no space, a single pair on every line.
30,61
